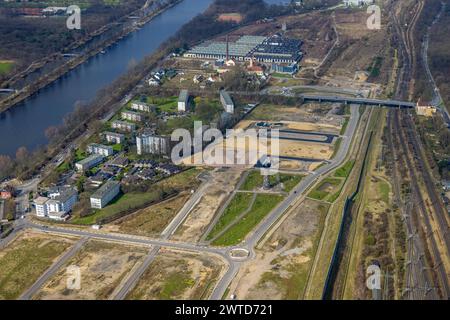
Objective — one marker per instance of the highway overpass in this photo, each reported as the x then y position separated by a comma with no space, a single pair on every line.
350,100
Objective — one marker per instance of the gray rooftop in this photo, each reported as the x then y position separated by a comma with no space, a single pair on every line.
226,97
90,158
183,96
105,189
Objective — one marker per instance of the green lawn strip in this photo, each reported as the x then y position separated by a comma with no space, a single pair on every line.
344,126
175,284
384,190
319,194
236,207
136,200
290,181
6,66
264,204
254,180
344,171
337,145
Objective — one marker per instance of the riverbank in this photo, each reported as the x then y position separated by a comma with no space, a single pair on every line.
47,79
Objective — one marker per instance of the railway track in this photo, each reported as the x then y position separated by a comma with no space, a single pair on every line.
417,275
414,163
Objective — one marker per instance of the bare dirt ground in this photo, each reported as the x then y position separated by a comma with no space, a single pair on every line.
281,267
102,265
178,275
305,149
223,183
24,259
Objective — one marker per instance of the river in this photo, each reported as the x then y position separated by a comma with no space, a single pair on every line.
25,124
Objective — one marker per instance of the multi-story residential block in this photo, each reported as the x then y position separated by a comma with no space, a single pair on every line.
58,206
105,194
149,143
183,101
123,126
100,149
112,137
226,101
141,106
89,162
131,116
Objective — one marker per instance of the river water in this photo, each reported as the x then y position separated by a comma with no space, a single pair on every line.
25,124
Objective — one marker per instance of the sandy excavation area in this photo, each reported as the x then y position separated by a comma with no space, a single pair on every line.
300,149
102,266
221,185
178,275
282,264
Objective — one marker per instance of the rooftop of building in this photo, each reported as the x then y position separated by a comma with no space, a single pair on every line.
90,158
97,145
105,189
226,96
184,94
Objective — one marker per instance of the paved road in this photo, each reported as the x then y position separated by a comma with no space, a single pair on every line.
54,268
306,182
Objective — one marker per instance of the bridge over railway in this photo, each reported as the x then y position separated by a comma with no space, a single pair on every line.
341,99
350,100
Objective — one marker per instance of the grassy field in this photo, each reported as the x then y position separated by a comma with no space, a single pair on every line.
25,259
182,181
345,170
263,204
6,66
344,126
237,206
151,221
255,181
328,190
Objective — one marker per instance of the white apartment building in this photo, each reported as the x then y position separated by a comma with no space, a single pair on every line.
100,149
148,143
183,101
58,205
112,137
226,101
123,126
105,194
140,106
89,162
131,116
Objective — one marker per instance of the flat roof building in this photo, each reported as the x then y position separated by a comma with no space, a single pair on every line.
112,137
95,148
123,126
89,162
226,101
274,49
149,143
141,106
131,116
183,100
105,194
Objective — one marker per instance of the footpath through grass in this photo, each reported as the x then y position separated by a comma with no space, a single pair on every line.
262,206
236,207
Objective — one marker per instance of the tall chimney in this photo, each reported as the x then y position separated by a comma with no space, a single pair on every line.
228,50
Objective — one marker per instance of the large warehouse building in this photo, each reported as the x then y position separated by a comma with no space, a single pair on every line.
274,49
